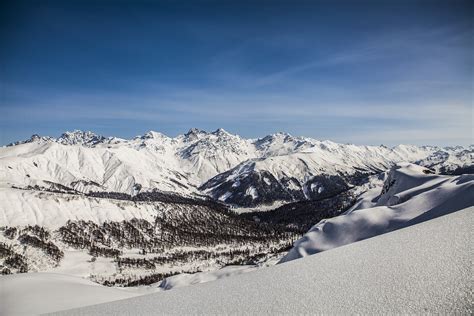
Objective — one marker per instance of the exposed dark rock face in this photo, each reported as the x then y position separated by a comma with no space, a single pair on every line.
80,138
253,189
324,186
261,187
34,138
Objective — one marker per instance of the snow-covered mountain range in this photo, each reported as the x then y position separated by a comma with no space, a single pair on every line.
155,210
223,166
419,261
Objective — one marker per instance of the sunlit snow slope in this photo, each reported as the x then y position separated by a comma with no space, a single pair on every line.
37,293
411,194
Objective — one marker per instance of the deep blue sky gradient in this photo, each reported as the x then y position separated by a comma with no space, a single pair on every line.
366,72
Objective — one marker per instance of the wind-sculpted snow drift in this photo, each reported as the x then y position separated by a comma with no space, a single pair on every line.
411,194
37,293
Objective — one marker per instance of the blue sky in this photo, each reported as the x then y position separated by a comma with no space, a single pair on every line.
364,72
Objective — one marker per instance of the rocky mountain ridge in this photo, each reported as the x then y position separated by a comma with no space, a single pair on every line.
226,167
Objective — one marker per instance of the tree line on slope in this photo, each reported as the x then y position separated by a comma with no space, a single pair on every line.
179,235
301,216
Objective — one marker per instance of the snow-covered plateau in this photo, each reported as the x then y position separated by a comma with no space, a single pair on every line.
87,219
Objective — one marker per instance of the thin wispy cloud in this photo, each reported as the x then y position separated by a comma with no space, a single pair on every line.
261,110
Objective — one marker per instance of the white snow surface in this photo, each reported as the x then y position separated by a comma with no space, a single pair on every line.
44,292
422,269
252,192
186,279
53,210
410,195
38,293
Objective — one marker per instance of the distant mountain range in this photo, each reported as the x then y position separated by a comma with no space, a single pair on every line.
277,168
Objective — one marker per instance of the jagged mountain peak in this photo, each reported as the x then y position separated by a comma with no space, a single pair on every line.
280,136
38,138
221,132
194,131
194,134
78,137
35,138
219,135
153,135
282,143
76,132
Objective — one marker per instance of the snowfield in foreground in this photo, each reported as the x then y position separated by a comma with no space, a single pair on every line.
37,293
411,194
425,268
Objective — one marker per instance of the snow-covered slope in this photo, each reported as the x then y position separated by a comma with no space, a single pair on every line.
186,279
87,162
411,194
38,293
305,174
235,170
52,210
126,242
422,269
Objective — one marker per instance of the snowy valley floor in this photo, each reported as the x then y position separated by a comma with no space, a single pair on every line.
425,268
